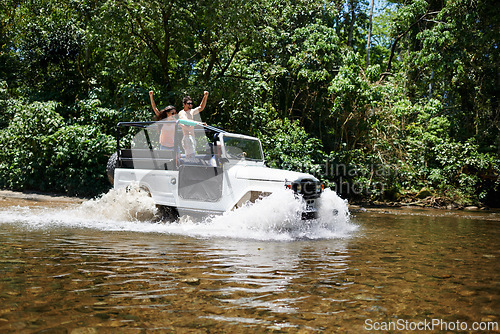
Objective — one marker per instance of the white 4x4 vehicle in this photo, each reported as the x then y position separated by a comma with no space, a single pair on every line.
227,172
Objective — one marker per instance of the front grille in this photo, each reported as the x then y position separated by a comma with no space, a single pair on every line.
308,189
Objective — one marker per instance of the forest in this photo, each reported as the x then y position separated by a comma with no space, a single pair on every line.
392,101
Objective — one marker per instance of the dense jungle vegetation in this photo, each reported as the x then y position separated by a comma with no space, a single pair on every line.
394,105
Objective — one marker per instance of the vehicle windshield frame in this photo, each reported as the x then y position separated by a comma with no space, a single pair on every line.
242,138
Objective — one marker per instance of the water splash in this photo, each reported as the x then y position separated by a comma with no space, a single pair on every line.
132,203
276,217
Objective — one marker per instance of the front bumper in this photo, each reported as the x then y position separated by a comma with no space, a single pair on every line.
309,214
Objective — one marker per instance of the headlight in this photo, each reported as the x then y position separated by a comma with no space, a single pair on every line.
299,188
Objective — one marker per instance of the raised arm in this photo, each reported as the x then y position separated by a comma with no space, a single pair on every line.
153,104
202,105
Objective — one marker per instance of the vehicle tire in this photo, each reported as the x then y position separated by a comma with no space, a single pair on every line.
110,167
167,213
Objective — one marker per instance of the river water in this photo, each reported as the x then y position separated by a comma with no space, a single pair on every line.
108,266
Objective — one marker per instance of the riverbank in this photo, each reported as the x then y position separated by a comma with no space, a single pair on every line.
8,197
430,202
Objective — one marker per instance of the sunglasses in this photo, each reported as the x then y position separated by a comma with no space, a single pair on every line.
191,103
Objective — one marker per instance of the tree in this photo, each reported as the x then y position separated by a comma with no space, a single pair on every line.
49,40
8,60
458,64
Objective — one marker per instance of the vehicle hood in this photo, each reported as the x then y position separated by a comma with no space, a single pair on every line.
270,174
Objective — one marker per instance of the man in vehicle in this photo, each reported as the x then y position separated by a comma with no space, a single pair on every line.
188,113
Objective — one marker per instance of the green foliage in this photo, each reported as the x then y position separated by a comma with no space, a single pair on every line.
313,53
49,41
449,166
9,66
76,160
6,113
90,112
41,152
352,23
423,113
453,56
22,159
354,97
358,174
286,145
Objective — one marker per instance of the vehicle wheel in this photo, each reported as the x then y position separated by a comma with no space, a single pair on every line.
110,167
168,213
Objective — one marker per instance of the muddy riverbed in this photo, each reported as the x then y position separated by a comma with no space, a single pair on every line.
108,266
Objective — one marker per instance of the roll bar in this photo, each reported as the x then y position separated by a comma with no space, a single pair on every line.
144,125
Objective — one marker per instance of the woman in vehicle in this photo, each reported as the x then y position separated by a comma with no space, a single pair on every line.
168,129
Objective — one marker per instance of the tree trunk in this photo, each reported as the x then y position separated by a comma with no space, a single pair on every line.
369,35
351,23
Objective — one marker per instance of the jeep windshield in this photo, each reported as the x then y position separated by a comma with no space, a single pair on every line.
242,147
